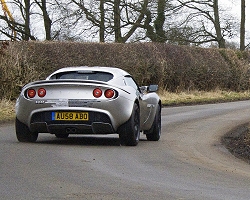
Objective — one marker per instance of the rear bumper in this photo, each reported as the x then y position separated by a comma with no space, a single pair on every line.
98,123
94,128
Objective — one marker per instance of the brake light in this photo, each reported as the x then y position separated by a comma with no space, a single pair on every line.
97,93
31,93
109,93
41,92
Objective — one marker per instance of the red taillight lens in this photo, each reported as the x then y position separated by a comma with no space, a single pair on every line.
109,93
31,93
41,92
97,93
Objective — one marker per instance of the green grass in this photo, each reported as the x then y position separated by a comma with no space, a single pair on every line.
7,111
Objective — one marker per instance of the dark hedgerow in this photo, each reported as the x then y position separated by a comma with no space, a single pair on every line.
174,68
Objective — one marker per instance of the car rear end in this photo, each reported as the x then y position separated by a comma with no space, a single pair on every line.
73,107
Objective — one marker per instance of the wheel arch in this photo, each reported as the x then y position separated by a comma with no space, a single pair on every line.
160,104
137,102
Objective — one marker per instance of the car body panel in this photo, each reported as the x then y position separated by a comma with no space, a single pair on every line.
76,95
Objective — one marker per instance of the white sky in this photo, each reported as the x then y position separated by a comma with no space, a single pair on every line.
235,5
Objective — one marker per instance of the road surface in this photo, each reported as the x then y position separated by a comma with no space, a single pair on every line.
188,162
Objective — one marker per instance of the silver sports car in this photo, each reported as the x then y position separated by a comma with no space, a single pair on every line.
89,100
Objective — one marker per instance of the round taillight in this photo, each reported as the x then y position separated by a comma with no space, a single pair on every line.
31,93
41,92
97,92
109,93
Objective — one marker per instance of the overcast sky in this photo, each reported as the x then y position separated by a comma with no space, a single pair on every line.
235,5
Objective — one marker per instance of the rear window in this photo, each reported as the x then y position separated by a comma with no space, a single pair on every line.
83,75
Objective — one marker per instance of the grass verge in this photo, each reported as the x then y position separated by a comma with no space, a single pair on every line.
7,111
201,97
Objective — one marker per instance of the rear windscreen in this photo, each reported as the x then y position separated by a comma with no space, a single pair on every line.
97,76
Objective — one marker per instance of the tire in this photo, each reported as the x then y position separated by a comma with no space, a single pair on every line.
129,133
154,133
59,135
23,133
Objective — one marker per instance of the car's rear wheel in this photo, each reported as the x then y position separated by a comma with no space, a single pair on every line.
129,133
23,133
60,135
154,133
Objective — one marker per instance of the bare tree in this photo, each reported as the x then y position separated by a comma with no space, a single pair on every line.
209,25
173,21
116,17
22,25
136,12
93,16
32,18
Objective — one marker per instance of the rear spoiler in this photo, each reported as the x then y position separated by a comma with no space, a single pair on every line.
65,81
70,81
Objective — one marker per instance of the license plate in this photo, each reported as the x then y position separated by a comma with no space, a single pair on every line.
70,116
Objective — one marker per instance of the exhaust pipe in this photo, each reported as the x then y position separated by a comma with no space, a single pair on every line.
70,130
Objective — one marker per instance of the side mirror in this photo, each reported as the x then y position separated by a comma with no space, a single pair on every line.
144,89
152,88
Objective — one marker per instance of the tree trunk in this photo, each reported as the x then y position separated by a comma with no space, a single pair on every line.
47,20
220,39
117,21
26,35
242,25
102,21
159,22
156,33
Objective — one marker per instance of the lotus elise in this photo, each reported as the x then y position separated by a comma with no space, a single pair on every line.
88,100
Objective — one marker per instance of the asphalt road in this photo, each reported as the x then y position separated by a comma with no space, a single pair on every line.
187,163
